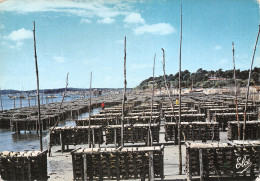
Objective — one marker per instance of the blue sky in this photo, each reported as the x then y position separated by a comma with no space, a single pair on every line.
79,36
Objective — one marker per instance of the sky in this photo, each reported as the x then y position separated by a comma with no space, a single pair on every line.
80,36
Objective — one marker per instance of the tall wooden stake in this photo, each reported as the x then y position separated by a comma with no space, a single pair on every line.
14,107
124,98
38,96
191,82
150,135
67,83
29,100
166,86
238,125
21,101
249,77
1,101
89,141
179,123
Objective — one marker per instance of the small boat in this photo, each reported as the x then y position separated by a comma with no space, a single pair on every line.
21,97
11,97
51,96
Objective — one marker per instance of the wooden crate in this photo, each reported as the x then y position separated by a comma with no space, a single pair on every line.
28,165
229,160
112,163
75,135
252,130
137,133
192,131
210,112
186,117
224,118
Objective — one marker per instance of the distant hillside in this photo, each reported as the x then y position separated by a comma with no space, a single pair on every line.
52,91
205,79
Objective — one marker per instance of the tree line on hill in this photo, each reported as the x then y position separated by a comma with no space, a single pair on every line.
204,79
52,91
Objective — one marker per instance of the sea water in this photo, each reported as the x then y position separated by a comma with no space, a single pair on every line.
11,141
9,103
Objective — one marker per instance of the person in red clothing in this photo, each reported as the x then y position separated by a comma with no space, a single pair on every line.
102,105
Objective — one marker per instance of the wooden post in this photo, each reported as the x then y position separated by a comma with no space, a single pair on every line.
56,123
166,86
247,92
85,170
29,169
1,101
179,123
124,98
150,136
115,136
89,141
238,125
191,82
201,165
29,99
38,96
93,138
14,101
151,168
21,103
61,142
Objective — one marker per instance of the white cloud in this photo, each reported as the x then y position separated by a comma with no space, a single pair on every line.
106,20
59,59
217,47
134,18
159,29
84,20
80,8
20,35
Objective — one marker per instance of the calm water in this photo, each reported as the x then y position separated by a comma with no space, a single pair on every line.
10,141
17,103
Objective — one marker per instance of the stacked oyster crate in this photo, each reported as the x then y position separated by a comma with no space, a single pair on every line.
28,165
252,130
192,131
239,159
112,163
122,162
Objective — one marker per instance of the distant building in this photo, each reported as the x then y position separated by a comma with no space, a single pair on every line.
217,79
